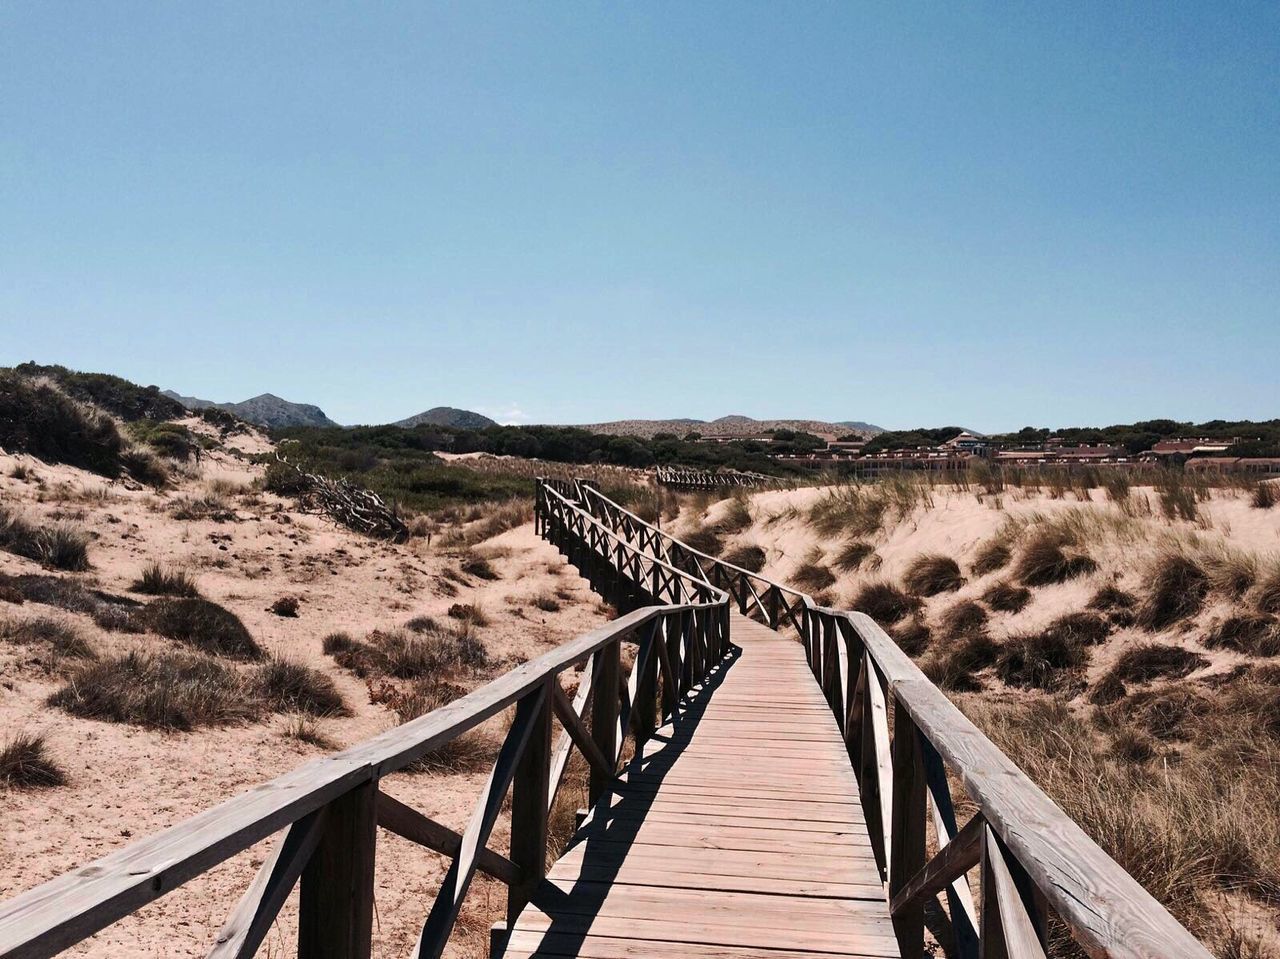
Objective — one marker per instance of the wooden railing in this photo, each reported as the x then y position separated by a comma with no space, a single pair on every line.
903,735
679,478
328,812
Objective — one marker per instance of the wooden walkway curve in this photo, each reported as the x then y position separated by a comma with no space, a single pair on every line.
737,833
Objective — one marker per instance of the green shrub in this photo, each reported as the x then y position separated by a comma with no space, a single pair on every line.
116,395
203,624
39,419
167,439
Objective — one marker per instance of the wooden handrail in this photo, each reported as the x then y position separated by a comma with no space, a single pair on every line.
1033,848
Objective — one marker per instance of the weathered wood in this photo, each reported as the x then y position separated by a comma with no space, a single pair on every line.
335,902
408,823
567,713
564,744
528,803
907,836
605,709
257,909
953,860
1007,930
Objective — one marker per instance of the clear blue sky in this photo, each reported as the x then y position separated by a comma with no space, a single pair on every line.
991,215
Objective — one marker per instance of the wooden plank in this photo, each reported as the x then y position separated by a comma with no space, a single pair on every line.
529,944
335,901
408,823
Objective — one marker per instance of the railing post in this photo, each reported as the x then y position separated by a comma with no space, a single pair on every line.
646,698
529,788
604,713
907,834
335,901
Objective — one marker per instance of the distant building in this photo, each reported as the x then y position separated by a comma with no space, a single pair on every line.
967,443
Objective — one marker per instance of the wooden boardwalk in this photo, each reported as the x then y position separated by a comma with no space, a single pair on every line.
738,833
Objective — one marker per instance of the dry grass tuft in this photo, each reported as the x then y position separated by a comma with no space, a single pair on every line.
473,751
1005,597
158,581
1255,634
1264,496
58,642
1230,571
956,667
813,575
307,730
703,539
913,636
1047,660
884,602
1148,662
853,554
1051,556
931,574
434,651
1083,629
962,618
546,602
748,556
203,624
479,567
25,763
210,506
990,557
289,687
61,546
172,691
1176,589
1266,598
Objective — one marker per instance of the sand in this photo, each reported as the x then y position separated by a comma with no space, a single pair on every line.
126,782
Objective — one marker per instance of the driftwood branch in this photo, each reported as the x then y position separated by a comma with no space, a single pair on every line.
344,502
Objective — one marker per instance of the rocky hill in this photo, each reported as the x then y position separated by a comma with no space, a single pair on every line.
730,426
448,416
267,410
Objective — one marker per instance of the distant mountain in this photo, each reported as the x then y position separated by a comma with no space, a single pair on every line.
866,429
448,416
267,410
735,426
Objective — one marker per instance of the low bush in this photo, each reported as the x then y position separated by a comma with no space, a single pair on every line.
1110,598
853,554
913,636
158,581
703,539
143,466
203,624
1148,662
1255,634
116,613
1045,660
991,556
289,687
956,667
25,763
1264,495
38,418
748,556
884,602
1170,713
432,653
931,574
55,640
961,618
286,606
61,546
473,614
171,691
813,576
1083,629
1005,597
1176,589
1050,556
735,517
473,751
167,439
546,602
479,567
